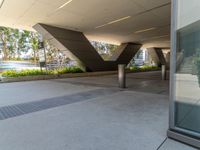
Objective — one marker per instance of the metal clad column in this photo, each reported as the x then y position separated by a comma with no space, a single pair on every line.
122,75
164,74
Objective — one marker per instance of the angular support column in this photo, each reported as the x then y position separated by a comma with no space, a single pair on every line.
125,53
82,50
157,56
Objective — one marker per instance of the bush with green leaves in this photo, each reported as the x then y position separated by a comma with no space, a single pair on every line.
144,68
14,73
35,72
68,70
197,62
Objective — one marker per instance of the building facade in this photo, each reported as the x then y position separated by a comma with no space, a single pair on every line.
185,72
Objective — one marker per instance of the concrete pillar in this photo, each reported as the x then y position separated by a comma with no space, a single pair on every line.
164,73
157,56
122,75
80,47
125,53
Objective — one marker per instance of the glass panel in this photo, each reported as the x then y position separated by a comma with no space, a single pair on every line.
187,104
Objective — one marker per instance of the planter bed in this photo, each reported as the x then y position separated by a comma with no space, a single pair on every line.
48,77
68,75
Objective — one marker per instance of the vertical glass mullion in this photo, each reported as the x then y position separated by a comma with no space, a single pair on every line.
172,64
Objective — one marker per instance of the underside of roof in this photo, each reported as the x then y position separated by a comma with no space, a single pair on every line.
139,21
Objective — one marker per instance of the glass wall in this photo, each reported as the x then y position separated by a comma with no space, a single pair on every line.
186,74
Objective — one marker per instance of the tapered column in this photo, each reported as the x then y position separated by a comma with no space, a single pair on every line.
122,75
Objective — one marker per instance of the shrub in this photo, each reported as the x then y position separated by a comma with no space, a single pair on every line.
35,72
134,68
197,62
14,73
68,70
144,68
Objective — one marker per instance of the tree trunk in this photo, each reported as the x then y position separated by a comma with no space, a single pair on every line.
5,52
34,55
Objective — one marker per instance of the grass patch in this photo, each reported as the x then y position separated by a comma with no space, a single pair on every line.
36,72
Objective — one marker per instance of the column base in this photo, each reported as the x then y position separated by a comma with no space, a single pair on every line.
183,138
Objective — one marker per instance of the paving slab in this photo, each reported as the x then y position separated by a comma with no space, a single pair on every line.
126,120
22,92
87,113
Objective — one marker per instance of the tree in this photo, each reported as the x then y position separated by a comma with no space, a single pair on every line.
104,49
14,42
4,37
34,44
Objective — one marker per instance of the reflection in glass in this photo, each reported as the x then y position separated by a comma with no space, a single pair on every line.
187,107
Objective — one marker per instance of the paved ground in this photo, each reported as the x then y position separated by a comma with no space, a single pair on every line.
86,114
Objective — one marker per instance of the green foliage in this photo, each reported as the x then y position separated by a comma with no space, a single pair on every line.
69,70
16,59
35,72
144,68
196,66
15,41
104,49
197,62
14,73
5,34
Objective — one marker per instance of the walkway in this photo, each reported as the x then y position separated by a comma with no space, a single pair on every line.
86,113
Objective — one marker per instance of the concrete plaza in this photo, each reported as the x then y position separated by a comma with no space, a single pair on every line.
89,113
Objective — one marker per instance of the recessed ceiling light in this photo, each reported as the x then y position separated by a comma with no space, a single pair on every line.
115,21
101,26
118,20
69,1
158,37
57,9
155,37
145,30
1,3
